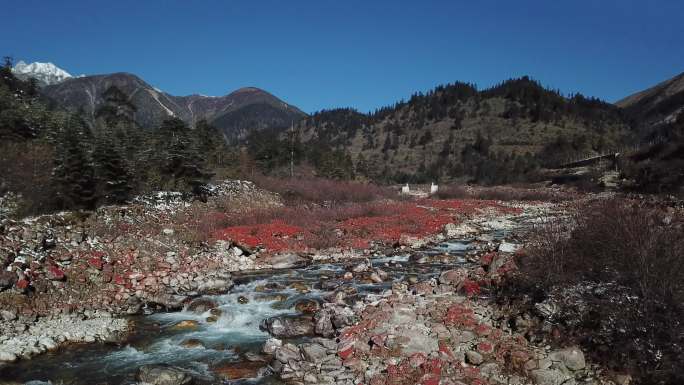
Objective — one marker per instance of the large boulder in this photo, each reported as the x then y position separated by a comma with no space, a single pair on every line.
287,327
324,325
167,301
286,261
7,279
163,375
313,352
571,357
551,376
215,286
201,305
454,277
287,353
271,345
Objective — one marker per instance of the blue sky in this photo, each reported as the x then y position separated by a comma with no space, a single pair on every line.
360,53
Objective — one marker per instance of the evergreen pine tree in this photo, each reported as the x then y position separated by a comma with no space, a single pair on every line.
113,175
183,166
74,172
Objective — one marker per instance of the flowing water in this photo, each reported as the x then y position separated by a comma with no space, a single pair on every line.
234,333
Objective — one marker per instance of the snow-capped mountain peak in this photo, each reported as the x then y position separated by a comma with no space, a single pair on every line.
45,73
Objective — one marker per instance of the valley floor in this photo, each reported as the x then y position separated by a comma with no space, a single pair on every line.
375,319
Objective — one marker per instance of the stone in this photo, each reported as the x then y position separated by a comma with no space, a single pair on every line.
163,375
324,326
453,277
8,315
307,306
361,267
54,273
572,358
192,343
286,261
286,327
452,230
300,287
549,376
238,370
507,247
7,279
215,286
186,325
201,305
622,379
287,353
271,345
168,232
313,352
242,300
474,357
375,277
7,356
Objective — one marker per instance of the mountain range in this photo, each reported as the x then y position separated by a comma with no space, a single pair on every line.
430,131
235,114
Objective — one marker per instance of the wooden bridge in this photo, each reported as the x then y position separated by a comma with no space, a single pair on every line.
611,156
586,161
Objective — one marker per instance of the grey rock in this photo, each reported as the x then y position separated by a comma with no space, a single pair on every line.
163,375
271,345
215,286
453,277
313,353
549,376
284,327
287,353
201,305
572,358
474,357
324,326
286,261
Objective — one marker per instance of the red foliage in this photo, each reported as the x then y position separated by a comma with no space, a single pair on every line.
274,236
460,315
95,262
471,288
358,225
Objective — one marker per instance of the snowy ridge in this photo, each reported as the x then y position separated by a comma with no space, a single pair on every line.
46,73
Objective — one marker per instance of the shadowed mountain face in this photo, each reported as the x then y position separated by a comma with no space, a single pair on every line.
235,114
657,106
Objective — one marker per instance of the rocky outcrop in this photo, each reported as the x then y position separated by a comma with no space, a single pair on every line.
22,337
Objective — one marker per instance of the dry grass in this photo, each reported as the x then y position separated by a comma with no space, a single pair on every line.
502,193
318,190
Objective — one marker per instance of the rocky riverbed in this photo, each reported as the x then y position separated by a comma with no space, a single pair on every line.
415,311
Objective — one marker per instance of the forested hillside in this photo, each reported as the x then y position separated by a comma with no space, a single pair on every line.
456,132
54,160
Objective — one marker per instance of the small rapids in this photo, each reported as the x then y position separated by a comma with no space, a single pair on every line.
229,332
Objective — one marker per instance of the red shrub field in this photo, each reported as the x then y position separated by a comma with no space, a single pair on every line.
355,226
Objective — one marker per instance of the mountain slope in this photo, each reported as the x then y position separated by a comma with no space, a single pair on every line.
234,113
658,115
659,105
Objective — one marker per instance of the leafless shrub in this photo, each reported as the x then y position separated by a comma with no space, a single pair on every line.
618,244
617,240
452,192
